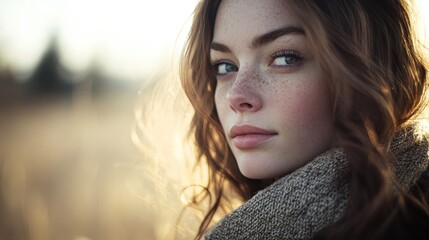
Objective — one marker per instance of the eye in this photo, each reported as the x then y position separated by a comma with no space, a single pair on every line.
222,68
286,59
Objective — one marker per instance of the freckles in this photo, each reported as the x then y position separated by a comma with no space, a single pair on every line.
295,100
255,81
264,81
272,86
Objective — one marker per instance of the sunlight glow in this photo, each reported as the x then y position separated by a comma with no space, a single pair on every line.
127,39
422,7
130,38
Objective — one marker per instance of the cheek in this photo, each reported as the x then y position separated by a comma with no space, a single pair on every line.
220,103
305,103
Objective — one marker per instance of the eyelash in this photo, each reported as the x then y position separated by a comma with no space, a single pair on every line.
216,63
286,53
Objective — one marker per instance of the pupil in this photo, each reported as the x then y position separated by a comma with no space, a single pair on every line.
229,68
290,60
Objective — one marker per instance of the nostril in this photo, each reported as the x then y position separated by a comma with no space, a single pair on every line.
246,106
241,104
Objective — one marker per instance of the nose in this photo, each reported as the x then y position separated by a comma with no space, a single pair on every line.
244,95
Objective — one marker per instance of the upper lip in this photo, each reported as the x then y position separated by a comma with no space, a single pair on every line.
248,129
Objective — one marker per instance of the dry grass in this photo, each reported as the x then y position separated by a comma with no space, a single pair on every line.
69,170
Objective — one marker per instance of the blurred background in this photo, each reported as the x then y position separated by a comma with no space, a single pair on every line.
76,77
86,88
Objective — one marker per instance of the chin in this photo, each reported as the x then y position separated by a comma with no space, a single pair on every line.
254,167
257,172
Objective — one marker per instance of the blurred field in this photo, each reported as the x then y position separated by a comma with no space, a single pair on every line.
69,170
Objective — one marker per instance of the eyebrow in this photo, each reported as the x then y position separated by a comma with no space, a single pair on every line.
273,35
262,40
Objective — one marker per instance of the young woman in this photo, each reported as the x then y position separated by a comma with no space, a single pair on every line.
306,109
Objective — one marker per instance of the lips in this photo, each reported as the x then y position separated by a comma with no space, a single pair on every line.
247,137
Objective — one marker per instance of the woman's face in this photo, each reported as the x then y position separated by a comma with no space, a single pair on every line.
270,95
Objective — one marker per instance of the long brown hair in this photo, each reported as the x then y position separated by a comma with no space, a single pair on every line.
376,79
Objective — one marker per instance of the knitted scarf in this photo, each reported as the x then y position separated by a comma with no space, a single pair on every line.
302,203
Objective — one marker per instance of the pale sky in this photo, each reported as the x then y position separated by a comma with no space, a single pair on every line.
129,37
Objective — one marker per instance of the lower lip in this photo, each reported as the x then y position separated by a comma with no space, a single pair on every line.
250,141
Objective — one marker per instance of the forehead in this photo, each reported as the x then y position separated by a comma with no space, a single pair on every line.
248,18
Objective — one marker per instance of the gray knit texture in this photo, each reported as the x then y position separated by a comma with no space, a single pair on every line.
302,203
